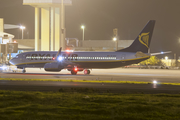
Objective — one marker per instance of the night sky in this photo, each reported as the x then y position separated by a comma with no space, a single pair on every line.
101,16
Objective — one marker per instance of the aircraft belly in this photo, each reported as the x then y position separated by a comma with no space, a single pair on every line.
89,64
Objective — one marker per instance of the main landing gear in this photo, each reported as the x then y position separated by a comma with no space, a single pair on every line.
87,72
73,72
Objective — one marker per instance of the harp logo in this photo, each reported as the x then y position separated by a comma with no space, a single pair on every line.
144,39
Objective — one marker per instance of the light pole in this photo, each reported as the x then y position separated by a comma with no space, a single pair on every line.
167,60
22,28
82,27
116,40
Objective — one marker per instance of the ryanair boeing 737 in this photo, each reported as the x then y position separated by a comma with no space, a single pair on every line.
74,62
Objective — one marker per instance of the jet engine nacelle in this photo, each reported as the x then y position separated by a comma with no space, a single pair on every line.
53,67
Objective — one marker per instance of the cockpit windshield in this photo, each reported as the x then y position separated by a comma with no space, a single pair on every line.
16,56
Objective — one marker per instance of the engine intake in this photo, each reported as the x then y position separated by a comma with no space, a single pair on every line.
53,67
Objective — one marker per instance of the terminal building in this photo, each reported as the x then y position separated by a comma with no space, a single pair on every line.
51,15
50,21
7,45
86,45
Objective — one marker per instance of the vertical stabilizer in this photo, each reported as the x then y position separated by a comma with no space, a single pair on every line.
143,40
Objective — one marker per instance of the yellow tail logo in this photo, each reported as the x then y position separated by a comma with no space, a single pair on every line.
144,39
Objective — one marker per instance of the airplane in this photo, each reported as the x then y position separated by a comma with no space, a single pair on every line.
55,61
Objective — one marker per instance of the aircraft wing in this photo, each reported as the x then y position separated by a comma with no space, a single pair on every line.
59,59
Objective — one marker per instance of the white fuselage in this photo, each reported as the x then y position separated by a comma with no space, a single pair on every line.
81,59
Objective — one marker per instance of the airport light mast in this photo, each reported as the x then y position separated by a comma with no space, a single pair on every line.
83,27
115,34
116,40
22,28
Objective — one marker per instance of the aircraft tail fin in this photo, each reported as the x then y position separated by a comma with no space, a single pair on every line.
143,40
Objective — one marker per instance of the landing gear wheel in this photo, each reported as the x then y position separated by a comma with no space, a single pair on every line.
23,71
73,72
87,72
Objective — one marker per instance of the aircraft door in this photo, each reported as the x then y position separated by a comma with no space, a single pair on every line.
23,58
123,56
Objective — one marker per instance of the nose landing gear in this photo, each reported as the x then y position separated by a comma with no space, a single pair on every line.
74,70
24,70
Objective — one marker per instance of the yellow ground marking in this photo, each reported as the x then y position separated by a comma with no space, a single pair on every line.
88,81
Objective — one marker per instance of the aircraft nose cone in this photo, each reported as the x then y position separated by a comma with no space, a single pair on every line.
11,62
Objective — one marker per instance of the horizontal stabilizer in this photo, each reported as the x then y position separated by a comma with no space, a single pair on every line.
160,53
